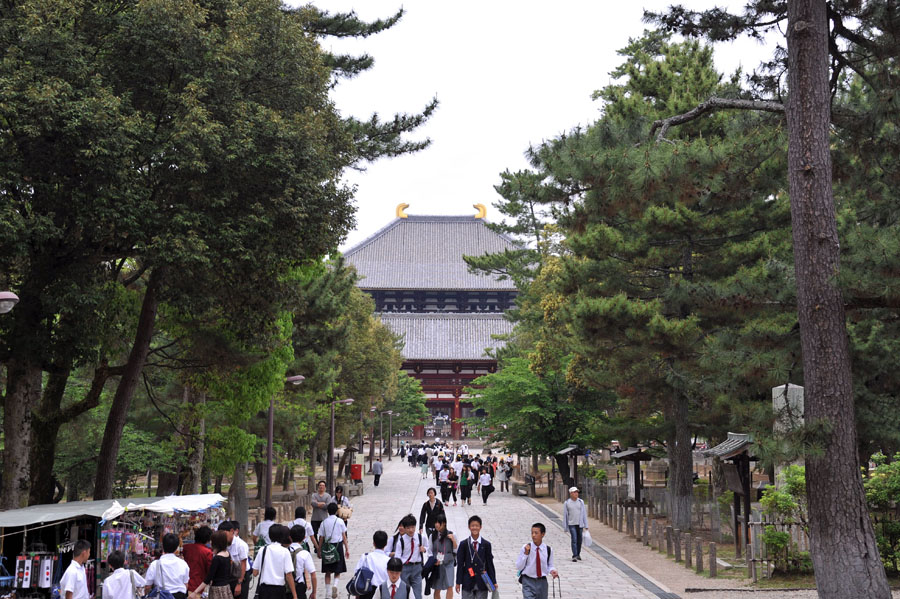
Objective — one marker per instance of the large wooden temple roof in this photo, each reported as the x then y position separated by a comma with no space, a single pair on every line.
426,252
447,336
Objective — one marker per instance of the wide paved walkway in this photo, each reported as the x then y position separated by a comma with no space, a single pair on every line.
507,525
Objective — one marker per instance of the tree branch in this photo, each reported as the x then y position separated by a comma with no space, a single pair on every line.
712,105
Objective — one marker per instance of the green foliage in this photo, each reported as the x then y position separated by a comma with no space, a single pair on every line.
883,483
408,403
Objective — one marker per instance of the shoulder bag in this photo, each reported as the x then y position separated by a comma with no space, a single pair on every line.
330,552
261,564
159,590
361,582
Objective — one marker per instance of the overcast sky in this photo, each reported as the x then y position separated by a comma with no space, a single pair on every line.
507,73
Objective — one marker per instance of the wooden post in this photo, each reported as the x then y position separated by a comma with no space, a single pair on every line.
655,538
645,536
751,563
699,557
688,562
621,518
669,541
629,521
713,566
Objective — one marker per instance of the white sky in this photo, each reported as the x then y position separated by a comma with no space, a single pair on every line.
508,74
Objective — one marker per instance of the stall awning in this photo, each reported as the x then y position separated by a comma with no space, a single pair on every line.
167,505
54,512
106,508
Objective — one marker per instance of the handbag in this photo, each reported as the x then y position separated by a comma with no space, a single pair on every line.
330,553
361,581
159,591
586,538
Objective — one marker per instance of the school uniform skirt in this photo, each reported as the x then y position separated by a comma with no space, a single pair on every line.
338,567
446,576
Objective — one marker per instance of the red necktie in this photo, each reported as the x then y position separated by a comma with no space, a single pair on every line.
412,551
538,556
393,590
475,550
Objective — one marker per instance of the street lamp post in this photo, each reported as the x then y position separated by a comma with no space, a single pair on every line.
329,472
8,300
294,380
381,432
390,434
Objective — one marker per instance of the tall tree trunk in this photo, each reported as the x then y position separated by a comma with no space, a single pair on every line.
48,419
23,393
204,480
196,427
845,556
681,463
218,486
115,422
237,495
313,462
371,450
562,464
259,470
167,484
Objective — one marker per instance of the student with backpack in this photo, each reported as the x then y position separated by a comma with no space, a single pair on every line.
375,562
303,563
534,563
122,583
394,587
169,572
408,545
333,548
300,520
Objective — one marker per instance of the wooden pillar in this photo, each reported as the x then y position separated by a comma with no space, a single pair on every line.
699,556
688,550
456,417
676,543
713,566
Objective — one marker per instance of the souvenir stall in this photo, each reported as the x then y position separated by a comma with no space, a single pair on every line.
36,542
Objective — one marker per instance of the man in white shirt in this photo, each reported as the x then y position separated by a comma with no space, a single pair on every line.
300,520
535,561
274,566
121,584
303,563
239,552
412,551
261,532
376,561
169,572
457,466
73,584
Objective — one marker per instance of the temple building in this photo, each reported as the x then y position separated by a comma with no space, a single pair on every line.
414,270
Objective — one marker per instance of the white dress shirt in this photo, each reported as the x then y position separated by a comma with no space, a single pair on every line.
169,572
484,479
118,585
527,564
262,531
74,581
276,562
377,562
306,526
303,562
332,529
404,548
238,550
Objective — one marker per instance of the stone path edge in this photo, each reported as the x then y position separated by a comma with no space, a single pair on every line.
628,570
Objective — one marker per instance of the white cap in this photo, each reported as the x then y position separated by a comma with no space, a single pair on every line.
573,489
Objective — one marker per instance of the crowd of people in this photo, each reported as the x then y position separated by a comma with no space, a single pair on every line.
419,552
459,473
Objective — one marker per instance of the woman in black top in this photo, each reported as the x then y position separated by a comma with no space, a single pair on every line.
430,510
218,577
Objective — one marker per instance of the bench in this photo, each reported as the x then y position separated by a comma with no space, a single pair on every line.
352,489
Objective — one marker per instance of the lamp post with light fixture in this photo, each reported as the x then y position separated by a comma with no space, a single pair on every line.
381,432
8,301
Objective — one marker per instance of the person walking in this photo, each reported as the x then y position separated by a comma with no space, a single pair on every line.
394,587
342,501
575,521
73,584
428,513
240,555
169,572
453,483
503,476
261,532
274,566
198,556
412,551
443,548
376,561
486,484
218,576
304,566
377,470
466,482
121,584
444,481
319,501
333,532
310,541
535,561
473,559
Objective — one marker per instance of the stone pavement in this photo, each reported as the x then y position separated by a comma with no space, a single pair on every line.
507,525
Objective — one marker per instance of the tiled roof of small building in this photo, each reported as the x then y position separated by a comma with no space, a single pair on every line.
426,252
447,336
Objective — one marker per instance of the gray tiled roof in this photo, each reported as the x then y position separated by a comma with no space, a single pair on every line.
443,336
735,443
426,252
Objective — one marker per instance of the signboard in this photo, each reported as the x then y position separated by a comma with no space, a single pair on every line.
733,479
